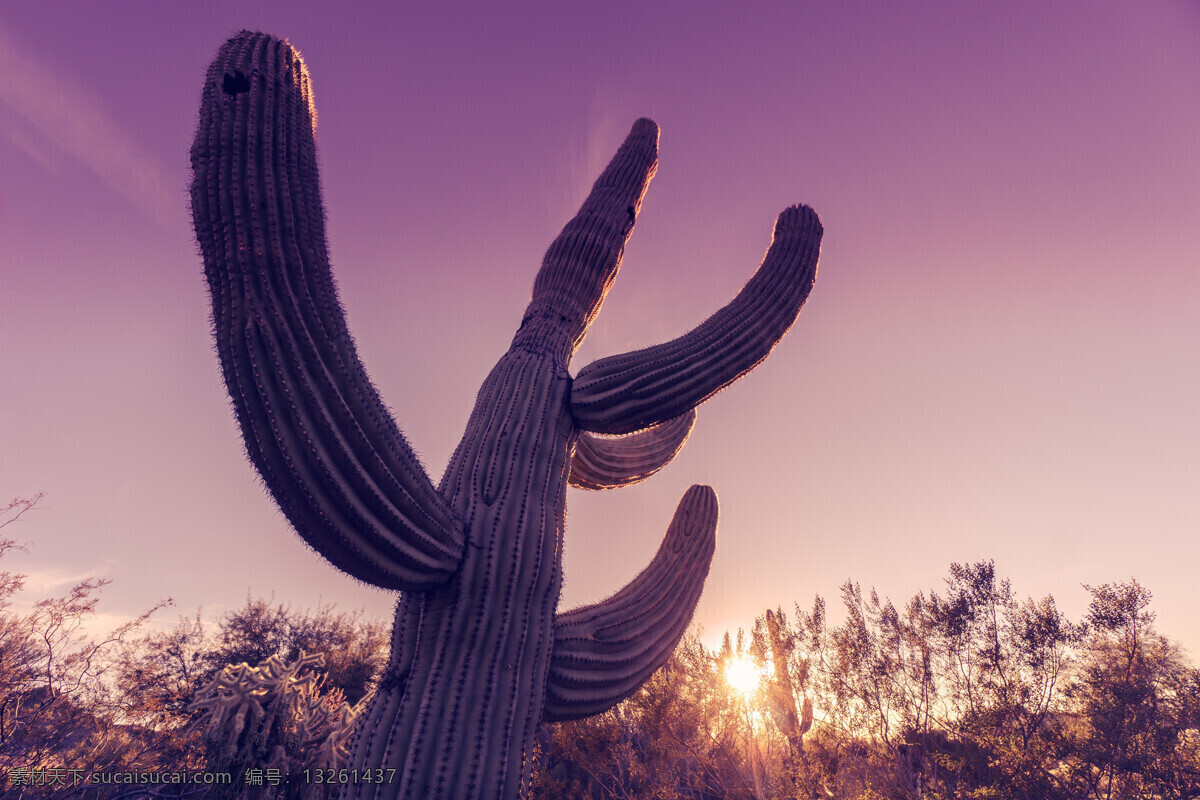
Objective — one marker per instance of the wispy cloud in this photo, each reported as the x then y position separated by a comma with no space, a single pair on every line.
49,581
574,172
46,583
27,142
75,122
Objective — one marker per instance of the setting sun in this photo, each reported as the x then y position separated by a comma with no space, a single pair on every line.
742,675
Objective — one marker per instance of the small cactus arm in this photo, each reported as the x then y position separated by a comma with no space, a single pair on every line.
479,655
609,463
783,691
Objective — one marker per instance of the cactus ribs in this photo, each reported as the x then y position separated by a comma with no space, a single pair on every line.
480,655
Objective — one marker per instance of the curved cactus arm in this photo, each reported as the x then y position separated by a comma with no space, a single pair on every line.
314,426
632,391
582,262
604,652
613,463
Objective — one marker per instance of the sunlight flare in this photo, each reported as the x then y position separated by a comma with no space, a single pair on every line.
742,676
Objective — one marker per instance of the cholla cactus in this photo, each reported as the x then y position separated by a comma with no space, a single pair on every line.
480,655
273,716
325,727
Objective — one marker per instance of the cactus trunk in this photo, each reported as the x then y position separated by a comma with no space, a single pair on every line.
460,696
480,654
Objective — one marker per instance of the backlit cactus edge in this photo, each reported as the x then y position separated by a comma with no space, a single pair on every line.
479,655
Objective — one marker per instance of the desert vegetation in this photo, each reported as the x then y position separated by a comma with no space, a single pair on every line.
965,691
271,696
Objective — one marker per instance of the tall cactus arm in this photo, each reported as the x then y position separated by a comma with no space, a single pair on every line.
602,653
314,426
628,392
582,262
613,463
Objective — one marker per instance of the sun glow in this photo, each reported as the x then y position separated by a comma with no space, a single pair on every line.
742,676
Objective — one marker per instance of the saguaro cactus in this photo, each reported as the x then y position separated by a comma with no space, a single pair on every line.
782,693
479,655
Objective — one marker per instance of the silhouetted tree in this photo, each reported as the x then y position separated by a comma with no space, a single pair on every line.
159,674
1135,703
56,706
355,649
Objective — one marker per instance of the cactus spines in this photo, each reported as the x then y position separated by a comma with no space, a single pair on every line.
479,655
604,652
600,463
632,391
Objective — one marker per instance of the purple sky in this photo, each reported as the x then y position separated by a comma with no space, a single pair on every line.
998,359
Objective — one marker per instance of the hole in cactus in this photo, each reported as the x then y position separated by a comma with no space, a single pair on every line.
235,83
631,213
